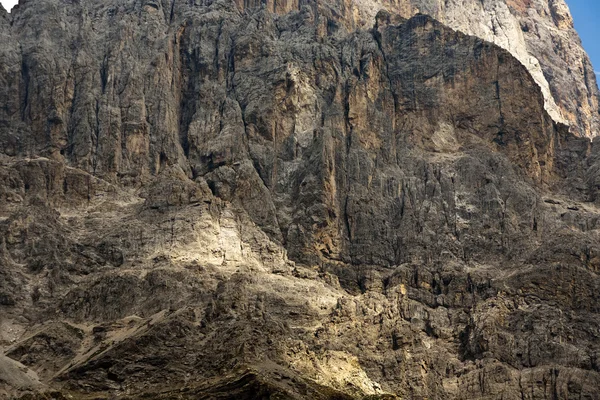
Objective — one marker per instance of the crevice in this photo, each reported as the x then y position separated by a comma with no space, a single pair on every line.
172,13
104,74
217,41
96,137
501,122
377,37
347,219
347,118
25,76
68,150
230,72
188,105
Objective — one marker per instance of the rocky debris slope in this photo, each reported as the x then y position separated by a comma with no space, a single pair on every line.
218,200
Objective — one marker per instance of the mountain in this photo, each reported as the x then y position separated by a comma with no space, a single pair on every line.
298,200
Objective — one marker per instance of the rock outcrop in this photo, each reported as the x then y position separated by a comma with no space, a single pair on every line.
297,199
539,33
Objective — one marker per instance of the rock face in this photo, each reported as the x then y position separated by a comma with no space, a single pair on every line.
539,33
297,199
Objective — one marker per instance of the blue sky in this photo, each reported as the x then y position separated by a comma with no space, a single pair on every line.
586,14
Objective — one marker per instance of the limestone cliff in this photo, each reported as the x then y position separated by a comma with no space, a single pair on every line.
539,33
297,200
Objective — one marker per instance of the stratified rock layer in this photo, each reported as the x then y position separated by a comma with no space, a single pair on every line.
220,200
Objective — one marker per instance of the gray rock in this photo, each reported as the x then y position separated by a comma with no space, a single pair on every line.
297,200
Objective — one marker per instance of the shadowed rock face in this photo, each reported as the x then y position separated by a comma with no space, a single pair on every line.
301,200
539,33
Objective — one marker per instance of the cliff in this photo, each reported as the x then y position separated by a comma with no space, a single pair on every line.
322,200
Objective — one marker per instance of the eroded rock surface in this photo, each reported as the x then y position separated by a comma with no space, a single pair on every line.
295,200
539,33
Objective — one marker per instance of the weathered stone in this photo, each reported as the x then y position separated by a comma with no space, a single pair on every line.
324,200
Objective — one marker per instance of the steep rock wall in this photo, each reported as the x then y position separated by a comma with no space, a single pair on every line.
442,227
